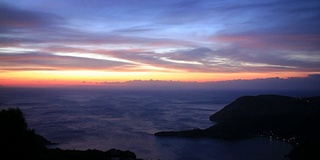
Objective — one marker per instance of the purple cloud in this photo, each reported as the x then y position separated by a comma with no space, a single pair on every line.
194,36
13,18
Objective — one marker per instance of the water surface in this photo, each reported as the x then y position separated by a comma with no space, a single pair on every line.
104,119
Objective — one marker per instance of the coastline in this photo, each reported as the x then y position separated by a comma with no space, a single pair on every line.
19,142
288,119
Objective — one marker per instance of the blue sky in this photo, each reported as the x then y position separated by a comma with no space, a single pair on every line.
280,37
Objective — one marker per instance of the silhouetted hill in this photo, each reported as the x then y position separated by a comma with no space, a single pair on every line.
18,142
268,105
289,119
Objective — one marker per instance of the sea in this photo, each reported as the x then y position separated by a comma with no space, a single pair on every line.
85,118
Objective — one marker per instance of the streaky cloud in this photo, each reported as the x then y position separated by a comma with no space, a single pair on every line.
45,61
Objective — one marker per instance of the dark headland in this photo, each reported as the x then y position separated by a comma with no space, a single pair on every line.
293,120
18,142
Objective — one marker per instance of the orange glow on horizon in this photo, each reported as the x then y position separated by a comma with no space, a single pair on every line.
88,77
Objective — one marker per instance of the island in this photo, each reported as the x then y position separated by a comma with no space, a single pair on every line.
289,119
19,142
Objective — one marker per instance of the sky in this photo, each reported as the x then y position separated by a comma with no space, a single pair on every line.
70,42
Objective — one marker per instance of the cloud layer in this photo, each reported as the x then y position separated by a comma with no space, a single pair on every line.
167,36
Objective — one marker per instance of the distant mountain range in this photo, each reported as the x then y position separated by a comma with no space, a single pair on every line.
309,83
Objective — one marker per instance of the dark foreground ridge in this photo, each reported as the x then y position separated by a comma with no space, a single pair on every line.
18,142
293,120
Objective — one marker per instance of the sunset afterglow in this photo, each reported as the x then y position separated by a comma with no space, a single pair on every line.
45,43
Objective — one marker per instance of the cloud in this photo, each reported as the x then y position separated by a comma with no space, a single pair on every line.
194,60
136,29
299,52
268,41
179,36
13,18
195,54
273,17
45,61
